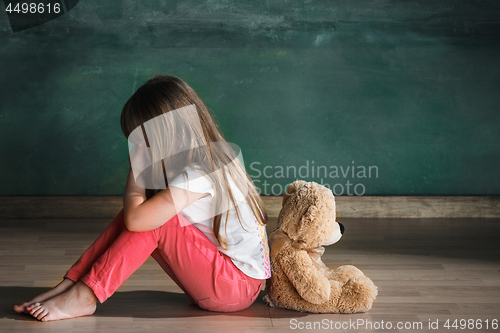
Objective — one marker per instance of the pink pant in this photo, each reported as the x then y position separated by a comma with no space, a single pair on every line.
208,277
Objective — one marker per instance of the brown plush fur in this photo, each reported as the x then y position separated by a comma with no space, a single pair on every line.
299,279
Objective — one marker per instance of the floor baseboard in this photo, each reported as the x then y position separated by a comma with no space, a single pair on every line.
60,207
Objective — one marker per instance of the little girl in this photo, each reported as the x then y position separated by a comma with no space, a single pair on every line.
193,208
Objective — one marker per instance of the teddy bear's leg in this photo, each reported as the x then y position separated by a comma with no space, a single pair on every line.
330,306
344,273
357,295
288,298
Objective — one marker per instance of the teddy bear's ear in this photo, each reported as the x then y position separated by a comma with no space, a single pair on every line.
309,228
291,190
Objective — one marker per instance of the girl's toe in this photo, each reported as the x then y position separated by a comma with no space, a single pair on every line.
41,314
37,312
20,308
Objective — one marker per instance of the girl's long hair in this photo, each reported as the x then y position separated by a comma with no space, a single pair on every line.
164,93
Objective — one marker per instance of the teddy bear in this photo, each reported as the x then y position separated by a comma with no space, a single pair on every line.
299,280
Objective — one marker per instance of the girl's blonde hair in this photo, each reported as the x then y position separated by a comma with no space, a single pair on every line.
164,93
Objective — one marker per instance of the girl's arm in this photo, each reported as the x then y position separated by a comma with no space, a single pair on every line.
144,215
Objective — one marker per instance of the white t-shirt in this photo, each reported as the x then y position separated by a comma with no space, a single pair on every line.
248,249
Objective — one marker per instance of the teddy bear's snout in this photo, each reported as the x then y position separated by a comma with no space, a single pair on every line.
341,228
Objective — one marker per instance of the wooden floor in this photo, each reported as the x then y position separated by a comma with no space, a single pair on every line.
425,269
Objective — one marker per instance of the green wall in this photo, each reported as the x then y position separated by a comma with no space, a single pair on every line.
410,88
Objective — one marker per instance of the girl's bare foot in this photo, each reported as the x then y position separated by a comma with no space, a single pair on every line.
77,301
59,289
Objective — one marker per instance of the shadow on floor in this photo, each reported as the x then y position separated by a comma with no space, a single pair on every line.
475,239
140,304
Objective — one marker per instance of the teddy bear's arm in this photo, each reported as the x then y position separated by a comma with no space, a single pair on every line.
311,285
